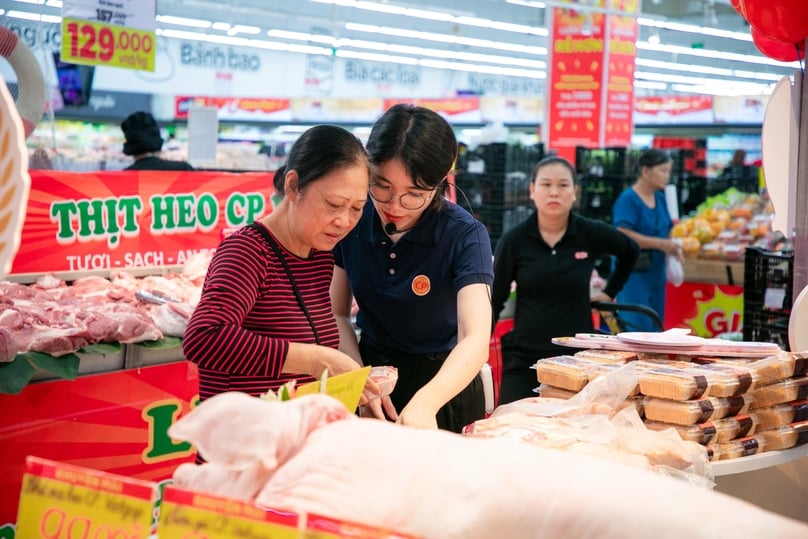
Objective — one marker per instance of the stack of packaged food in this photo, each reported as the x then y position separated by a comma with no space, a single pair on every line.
734,407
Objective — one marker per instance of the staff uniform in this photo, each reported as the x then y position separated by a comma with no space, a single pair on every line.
407,297
644,286
552,291
248,314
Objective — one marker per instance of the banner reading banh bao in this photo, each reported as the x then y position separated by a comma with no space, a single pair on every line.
591,76
116,34
79,222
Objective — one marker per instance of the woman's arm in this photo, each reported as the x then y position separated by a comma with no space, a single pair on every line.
666,245
462,364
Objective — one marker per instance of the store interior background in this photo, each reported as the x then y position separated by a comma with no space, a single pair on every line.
488,48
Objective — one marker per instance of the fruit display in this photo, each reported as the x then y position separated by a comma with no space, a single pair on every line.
724,225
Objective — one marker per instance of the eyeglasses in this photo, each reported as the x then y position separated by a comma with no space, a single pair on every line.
408,201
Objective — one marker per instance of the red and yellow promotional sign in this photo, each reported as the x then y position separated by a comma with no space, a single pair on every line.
132,219
591,76
234,108
707,309
115,422
59,500
454,108
185,514
576,79
618,124
117,34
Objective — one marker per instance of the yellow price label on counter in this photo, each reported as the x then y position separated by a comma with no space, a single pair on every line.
346,388
60,500
98,43
194,515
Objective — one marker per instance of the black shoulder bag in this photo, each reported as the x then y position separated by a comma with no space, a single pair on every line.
274,245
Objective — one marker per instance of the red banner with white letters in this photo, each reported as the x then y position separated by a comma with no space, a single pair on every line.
130,219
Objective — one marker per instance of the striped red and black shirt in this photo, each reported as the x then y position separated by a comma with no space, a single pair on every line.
248,314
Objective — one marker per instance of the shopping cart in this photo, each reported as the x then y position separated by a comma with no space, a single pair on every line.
611,321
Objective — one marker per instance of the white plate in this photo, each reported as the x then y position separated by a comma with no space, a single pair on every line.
798,323
666,339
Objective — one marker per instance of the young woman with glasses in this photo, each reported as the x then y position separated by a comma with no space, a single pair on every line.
420,269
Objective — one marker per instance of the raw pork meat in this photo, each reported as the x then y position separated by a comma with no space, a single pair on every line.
314,457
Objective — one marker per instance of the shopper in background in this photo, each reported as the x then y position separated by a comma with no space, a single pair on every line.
419,267
740,175
641,213
265,315
550,256
144,144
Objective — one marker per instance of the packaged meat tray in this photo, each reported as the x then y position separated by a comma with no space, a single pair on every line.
780,392
742,447
565,372
785,437
552,392
764,371
781,414
730,428
670,383
691,412
701,433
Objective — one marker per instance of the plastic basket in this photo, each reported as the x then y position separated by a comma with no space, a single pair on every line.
768,279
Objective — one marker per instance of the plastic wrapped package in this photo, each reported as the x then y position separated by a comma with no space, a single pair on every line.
730,428
694,411
779,392
785,437
670,383
781,414
701,433
735,449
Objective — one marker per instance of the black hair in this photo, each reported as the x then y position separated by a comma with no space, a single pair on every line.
652,158
421,138
318,151
552,160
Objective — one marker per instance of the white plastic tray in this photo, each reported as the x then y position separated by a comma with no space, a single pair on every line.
760,461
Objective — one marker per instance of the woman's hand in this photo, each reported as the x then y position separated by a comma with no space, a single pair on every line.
418,414
673,248
601,297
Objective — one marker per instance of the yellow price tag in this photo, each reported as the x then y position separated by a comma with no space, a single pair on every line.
346,388
98,43
59,500
193,515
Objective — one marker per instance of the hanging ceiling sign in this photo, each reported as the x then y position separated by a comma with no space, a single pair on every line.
115,33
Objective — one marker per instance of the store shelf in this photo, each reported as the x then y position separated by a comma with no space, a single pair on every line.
88,364
759,462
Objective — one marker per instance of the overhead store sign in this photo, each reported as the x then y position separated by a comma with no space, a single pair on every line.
115,33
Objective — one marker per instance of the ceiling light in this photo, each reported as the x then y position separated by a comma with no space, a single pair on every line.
693,29
183,21
243,29
653,39
28,16
650,85
444,38
719,55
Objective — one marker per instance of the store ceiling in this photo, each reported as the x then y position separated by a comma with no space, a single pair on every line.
683,59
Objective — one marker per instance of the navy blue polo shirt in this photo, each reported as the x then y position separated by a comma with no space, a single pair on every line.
407,291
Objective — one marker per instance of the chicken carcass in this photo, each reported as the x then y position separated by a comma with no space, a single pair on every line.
312,457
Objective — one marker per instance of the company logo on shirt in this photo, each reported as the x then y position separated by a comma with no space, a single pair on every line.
581,255
421,285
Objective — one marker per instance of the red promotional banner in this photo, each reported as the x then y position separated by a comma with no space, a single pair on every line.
457,109
576,79
237,108
707,309
114,422
131,219
622,29
673,109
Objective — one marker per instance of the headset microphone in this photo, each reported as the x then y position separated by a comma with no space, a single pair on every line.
390,229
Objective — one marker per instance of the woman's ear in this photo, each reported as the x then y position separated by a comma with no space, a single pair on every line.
290,184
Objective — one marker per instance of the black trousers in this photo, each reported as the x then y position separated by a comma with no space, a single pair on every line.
414,371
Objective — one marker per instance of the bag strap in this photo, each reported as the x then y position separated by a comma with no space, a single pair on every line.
274,245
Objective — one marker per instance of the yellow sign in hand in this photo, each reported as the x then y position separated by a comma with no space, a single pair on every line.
346,388
98,43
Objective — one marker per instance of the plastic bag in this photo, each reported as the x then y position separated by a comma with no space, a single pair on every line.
674,270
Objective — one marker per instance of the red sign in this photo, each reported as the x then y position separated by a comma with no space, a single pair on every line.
123,220
454,108
674,109
618,124
576,79
707,309
114,422
234,107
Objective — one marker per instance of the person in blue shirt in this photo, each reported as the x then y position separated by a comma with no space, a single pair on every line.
420,269
550,256
641,213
